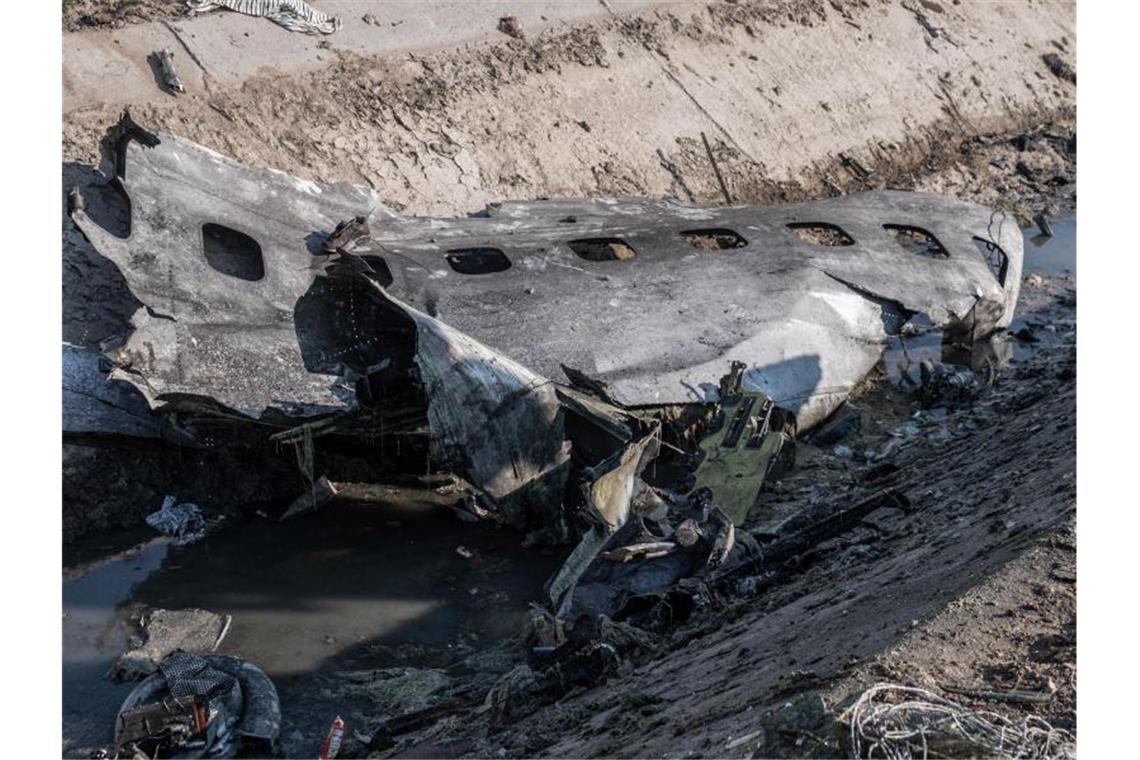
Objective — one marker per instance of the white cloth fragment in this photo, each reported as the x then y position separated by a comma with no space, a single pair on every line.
294,15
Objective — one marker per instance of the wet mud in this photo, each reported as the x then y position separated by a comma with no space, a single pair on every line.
406,583
349,588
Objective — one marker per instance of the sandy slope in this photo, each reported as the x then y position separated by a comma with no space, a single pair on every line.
617,104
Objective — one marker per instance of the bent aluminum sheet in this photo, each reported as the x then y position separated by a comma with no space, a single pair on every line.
97,402
204,332
492,420
658,328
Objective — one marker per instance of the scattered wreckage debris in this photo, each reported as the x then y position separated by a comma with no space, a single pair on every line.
294,15
1061,68
951,387
856,167
167,631
163,60
175,723
181,521
348,236
330,748
281,324
322,492
209,705
800,535
904,721
593,641
748,439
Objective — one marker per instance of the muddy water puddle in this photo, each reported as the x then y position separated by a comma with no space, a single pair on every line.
1056,254
337,590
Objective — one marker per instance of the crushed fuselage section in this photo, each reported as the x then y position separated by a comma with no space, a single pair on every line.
310,310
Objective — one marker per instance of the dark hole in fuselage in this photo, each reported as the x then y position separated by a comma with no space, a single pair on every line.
995,257
478,260
714,239
109,206
380,271
821,233
232,253
346,327
917,241
602,249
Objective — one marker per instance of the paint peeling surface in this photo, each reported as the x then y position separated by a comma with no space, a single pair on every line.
462,326
207,327
657,323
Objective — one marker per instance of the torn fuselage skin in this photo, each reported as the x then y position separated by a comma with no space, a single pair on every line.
245,310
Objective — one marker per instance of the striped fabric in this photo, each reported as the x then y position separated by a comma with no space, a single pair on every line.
294,15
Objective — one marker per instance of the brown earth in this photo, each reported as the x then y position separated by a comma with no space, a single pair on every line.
619,105
974,587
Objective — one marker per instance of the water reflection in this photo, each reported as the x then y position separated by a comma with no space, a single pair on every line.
323,590
1053,255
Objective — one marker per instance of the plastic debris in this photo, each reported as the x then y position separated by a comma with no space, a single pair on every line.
165,61
331,745
242,710
182,521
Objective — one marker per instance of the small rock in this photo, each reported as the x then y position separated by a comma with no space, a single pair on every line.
1060,68
510,25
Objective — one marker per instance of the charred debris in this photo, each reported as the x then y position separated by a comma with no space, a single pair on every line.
616,375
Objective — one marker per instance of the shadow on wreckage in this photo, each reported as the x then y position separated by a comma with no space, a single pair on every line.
255,330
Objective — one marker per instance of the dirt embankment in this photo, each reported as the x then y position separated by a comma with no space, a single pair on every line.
86,14
618,105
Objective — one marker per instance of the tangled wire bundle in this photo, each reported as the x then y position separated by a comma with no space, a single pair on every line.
894,721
